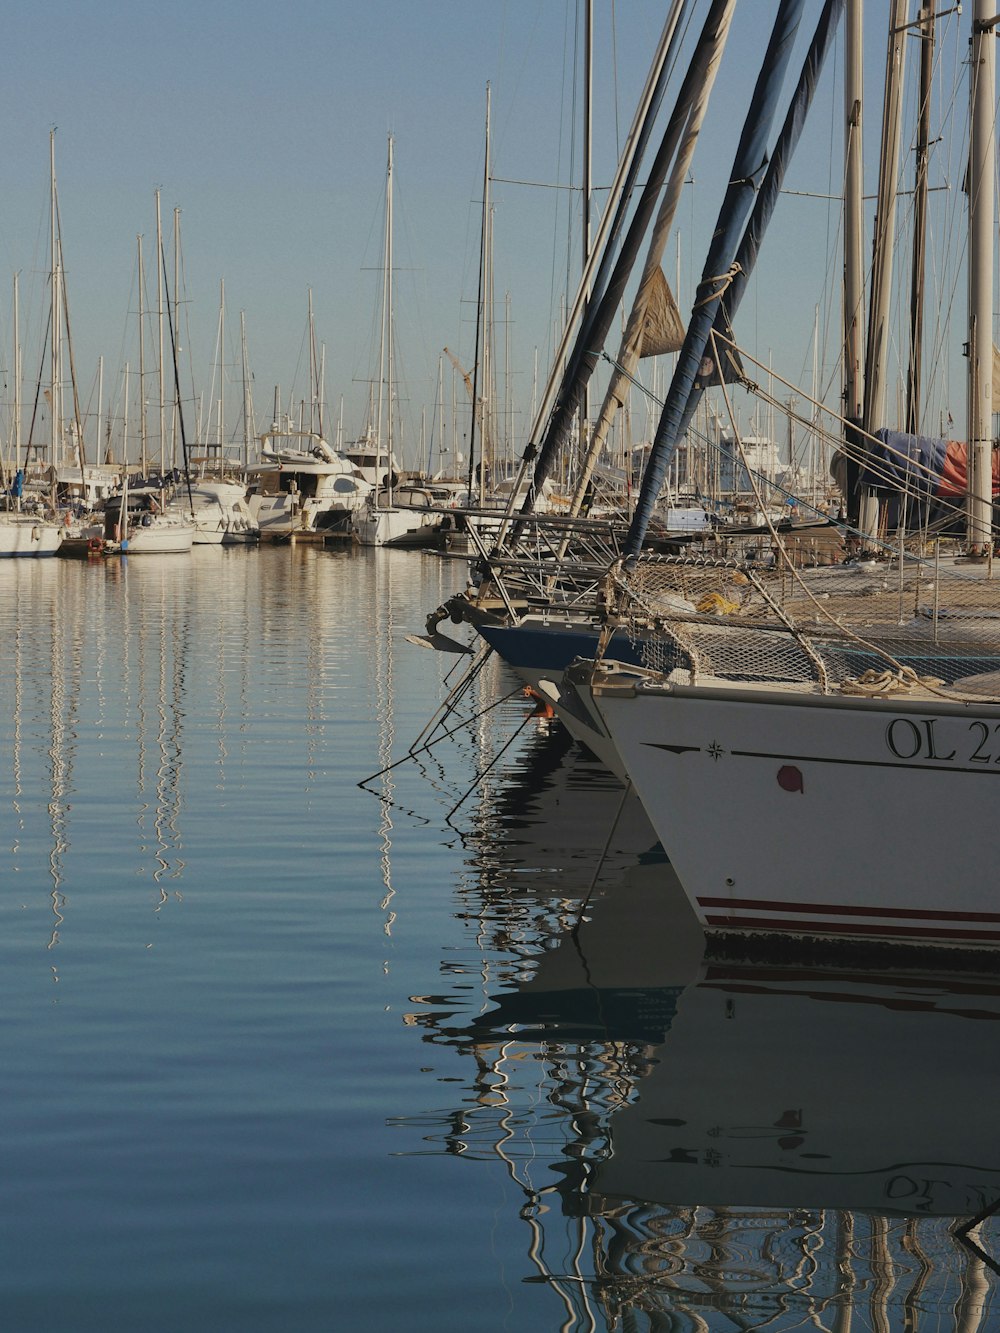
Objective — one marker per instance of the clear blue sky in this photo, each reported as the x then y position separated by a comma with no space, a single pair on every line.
266,125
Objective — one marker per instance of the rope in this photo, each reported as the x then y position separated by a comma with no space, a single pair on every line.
871,683
725,280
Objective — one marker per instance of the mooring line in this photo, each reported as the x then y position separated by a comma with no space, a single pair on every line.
412,754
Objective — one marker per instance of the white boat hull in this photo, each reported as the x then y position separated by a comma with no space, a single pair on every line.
802,814
159,538
397,526
24,537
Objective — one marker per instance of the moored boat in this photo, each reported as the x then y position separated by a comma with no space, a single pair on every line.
303,492
27,536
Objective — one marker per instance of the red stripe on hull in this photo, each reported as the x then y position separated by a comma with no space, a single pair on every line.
836,909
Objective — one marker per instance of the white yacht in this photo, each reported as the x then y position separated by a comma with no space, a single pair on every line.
220,512
299,491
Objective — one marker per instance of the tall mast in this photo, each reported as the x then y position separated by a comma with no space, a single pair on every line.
312,364
389,387
854,273
588,145
222,372
440,399
383,425
321,392
480,321
55,412
982,178
877,352
125,422
249,429
159,318
100,408
17,379
925,30
174,404
142,369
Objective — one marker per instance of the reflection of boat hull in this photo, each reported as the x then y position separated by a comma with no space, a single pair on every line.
817,1092
764,798
763,1087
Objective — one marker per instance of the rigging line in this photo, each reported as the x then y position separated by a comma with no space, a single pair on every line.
801,633
412,754
452,698
788,495
755,389
493,762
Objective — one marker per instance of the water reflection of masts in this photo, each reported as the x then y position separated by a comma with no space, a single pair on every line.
63,714
384,629
165,682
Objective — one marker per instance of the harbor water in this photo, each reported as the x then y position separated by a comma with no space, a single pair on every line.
324,1009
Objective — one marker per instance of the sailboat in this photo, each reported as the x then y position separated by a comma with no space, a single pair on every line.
141,520
384,521
817,759
26,525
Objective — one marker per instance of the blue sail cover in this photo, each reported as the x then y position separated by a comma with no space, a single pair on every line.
751,171
927,467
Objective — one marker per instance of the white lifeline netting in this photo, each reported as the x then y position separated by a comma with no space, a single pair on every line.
865,628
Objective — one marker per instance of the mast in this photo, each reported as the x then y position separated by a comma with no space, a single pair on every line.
854,273
159,320
176,309
755,179
142,369
249,428
588,144
100,406
222,373
877,352
55,412
440,398
703,71
321,393
613,215
125,422
312,364
982,179
481,322
925,30
17,379
388,324
383,425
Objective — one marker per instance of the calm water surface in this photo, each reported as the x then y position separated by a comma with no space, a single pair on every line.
441,1052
